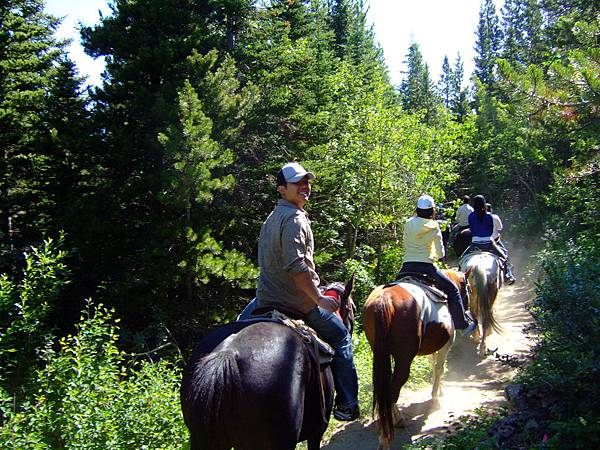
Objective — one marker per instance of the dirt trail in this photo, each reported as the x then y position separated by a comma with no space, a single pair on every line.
468,383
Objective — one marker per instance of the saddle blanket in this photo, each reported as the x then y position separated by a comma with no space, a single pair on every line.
431,310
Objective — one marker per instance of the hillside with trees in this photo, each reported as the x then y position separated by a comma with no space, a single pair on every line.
130,212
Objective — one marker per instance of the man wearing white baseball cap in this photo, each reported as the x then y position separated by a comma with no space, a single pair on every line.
423,244
288,281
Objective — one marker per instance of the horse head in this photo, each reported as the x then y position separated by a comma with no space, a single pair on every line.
343,293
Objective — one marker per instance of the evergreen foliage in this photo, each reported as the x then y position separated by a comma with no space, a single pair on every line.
450,88
417,90
446,85
488,43
522,31
161,177
41,116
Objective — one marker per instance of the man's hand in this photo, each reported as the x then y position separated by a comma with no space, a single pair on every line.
305,283
328,303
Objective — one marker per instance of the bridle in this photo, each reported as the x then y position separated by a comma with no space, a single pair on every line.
347,307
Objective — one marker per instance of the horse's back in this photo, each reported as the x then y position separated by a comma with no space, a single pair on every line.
416,324
484,260
268,355
382,309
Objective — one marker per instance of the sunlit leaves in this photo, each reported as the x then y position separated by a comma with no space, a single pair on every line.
380,161
91,395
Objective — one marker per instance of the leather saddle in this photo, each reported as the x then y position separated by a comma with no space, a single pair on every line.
425,282
319,350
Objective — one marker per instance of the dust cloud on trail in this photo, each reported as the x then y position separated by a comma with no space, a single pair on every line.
469,381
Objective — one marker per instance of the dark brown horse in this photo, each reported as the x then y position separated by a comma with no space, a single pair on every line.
400,322
256,387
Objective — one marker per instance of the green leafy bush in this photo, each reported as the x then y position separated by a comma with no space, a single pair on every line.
89,397
25,307
567,363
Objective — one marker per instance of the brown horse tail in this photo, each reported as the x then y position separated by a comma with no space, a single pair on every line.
213,399
382,366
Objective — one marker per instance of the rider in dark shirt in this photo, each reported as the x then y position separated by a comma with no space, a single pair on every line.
481,223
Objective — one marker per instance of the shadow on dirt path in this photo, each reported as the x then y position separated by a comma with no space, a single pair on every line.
469,383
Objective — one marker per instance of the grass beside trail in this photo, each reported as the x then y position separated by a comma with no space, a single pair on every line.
420,375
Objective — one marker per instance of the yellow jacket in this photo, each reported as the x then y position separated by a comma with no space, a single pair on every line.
422,240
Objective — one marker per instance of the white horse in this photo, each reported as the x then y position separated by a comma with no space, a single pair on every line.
484,272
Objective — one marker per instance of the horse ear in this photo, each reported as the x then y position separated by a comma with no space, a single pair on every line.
349,286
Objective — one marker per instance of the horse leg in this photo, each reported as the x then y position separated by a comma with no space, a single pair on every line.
314,444
438,361
482,345
399,379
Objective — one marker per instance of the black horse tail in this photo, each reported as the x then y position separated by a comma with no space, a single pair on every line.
382,367
213,392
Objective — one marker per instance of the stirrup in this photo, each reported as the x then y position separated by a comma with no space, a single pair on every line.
470,328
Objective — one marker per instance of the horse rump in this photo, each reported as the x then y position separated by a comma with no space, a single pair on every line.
210,397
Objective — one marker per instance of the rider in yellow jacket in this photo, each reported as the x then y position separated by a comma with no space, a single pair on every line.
423,245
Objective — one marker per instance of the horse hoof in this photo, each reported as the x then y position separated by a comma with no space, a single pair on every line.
435,404
383,446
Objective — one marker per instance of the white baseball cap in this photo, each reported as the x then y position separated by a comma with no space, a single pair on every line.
294,172
425,202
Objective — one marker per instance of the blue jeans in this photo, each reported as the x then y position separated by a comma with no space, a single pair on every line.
331,329
455,303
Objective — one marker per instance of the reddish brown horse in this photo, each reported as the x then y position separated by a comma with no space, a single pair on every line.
400,322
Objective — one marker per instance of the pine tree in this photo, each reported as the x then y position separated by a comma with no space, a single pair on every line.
151,49
355,39
450,88
445,85
488,44
418,94
230,20
523,33
293,15
193,175
41,118
340,18
460,102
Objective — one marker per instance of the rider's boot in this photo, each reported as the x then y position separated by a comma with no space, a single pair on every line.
470,329
508,275
462,317
472,324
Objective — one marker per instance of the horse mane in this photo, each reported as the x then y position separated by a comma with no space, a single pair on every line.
347,307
